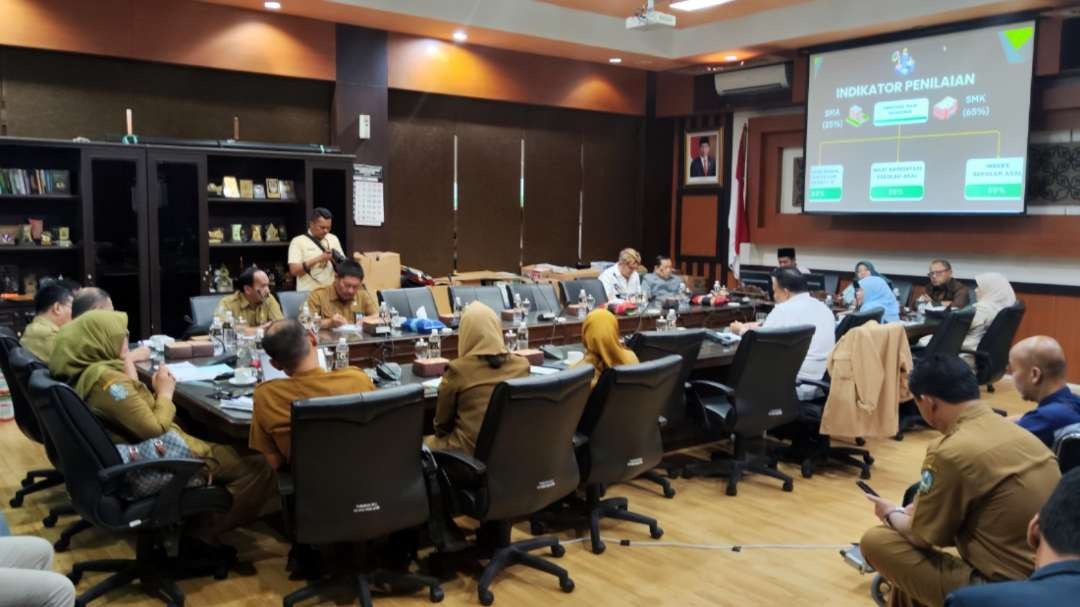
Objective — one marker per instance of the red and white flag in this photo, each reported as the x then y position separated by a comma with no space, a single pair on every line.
738,222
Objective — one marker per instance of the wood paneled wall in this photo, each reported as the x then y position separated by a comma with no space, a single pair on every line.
575,162
699,230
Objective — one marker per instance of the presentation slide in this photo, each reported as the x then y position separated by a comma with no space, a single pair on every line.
929,125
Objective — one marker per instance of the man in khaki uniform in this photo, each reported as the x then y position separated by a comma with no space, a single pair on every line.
252,301
981,483
311,254
339,302
52,306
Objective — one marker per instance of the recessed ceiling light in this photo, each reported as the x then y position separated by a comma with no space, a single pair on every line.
460,36
274,6
696,5
615,60
731,58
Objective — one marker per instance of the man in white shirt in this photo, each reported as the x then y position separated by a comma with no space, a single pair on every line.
622,281
785,258
310,254
794,306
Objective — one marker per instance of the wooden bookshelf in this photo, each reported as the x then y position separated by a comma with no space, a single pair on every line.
248,245
227,201
22,248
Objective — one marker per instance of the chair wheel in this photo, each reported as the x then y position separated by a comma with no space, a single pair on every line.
669,492
49,521
16,501
486,597
865,474
566,584
899,436
880,589
789,486
656,532
537,528
732,489
807,470
599,548
558,550
860,441
868,459
435,595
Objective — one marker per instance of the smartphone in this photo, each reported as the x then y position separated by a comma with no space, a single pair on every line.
867,488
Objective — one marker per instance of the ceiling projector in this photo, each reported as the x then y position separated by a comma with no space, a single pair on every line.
648,18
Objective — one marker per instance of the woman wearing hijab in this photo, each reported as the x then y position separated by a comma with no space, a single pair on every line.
874,292
862,270
89,354
993,294
600,334
482,363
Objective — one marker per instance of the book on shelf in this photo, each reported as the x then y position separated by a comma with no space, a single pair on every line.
27,182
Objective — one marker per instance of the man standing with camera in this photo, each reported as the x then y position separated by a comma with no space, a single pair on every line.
312,255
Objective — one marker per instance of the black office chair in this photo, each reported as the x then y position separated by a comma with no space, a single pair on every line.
857,319
202,313
23,364
1067,447
832,283
541,295
677,430
761,280
816,282
949,336
408,301
621,424
904,287
96,480
762,397
524,462
492,297
291,303
591,286
35,480
379,434
992,353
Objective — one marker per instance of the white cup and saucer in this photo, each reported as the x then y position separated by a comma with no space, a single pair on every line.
243,376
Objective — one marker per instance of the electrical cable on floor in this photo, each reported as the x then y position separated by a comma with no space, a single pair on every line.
728,547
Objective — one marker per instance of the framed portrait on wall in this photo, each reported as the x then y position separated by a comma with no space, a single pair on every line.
702,158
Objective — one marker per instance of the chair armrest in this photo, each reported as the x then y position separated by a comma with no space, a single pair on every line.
579,440
714,411
166,508
714,386
459,461
819,383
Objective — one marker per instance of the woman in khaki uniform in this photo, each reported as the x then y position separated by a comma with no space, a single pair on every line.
483,361
89,354
603,350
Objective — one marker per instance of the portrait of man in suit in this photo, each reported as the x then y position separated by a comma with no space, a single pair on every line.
702,158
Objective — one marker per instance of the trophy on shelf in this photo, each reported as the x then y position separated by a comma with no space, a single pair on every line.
36,226
272,233
222,280
237,232
256,233
273,188
230,187
247,188
216,235
46,238
63,236
26,235
214,188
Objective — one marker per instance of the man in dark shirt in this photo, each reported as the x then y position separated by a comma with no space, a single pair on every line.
1054,533
1038,371
944,289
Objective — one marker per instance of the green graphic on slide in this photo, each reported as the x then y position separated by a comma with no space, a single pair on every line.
1018,37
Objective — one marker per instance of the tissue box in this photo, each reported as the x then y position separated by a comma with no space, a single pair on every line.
375,327
180,349
534,356
201,348
509,314
431,367
573,309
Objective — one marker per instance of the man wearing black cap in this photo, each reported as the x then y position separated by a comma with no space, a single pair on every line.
785,258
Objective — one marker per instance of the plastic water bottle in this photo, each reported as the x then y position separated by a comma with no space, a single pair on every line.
243,356
523,336
260,333
671,319
829,301
434,344
228,334
305,316
421,349
341,354
384,313
583,304
920,310
526,305
316,320
256,355
590,302
458,308
241,326
216,336
511,340
716,288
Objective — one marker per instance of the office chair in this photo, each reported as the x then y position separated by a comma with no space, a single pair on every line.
816,282
492,297
524,462
23,364
541,295
949,336
379,435
1067,447
202,313
905,287
992,353
408,301
621,424
291,303
35,480
96,481
761,398
857,319
676,428
591,286
832,283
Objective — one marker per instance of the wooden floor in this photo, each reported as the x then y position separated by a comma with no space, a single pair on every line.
821,514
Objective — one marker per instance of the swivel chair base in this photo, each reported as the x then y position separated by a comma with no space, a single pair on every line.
507,554
34,481
654,476
814,452
575,512
360,586
737,466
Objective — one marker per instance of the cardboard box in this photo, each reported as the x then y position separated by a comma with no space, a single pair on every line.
480,278
382,269
201,348
534,356
431,367
508,315
375,327
178,349
547,272
441,293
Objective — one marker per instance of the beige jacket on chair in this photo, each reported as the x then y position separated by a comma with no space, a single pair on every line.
869,369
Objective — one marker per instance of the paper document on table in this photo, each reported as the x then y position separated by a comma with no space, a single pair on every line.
187,372
534,370
240,403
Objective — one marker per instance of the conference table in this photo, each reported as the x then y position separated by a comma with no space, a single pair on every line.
200,403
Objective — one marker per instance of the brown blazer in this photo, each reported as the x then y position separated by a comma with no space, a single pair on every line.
869,370
463,399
